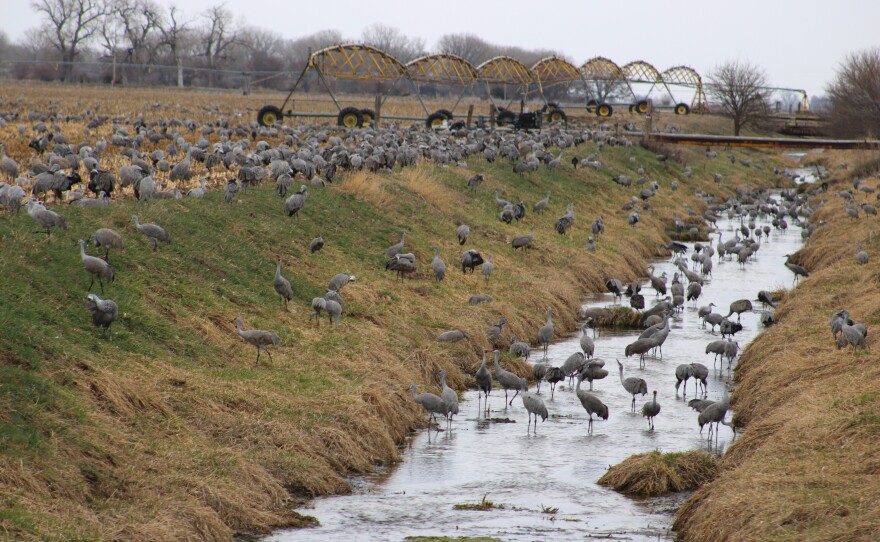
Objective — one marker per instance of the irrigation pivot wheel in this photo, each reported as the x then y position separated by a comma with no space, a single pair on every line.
268,115
591,106
435,120
604,110
682,109
549,106
368,117
556,115
642,107
350,117
447,114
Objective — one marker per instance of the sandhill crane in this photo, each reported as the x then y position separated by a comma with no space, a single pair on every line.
539,371
682,373
295,202
282,286
553,376
703,311
508,381
402,264
713,319
726,327
534,406
739,306
700,374
714,413
258,338
523,241
452,336
181,170
799,271
316,244
470,259
766,298
658,283
449,397
474,181
853,335
480,298
717,348
615,287
488,267
104,311
501,203
651,409
107,239
494,332
633,385
519,348
200,191
438,266
396,248
586,342
640,347
462,232
484,382
545,334
541,204
694,290
572,365
45,218
591,404
591,244
432,403
8,166
230,190
861,255
593,370
152,231
96,267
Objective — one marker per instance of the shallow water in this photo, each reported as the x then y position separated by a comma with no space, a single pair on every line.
559,466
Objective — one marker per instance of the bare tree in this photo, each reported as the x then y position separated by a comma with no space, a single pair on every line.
139,19
217,36
470,47
739,88
607,90
855,95
112,33
69,24
394,42
173,37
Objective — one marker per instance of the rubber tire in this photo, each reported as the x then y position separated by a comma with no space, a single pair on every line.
447,114
505,117
368,117
435,120
350,117
557,115
269,115
550,106
641,107
682,109
604,110
591,106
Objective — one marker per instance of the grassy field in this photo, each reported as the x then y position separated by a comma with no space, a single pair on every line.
167,429
806,468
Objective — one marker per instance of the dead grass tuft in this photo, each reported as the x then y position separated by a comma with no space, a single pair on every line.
653,474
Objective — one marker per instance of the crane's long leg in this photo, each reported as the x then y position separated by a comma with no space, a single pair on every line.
271,361
514,397
258,357
634,403
92,283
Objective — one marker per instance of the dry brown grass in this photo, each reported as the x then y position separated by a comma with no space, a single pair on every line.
652,474
806,467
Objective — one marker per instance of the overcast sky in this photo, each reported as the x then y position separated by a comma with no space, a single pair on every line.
799,43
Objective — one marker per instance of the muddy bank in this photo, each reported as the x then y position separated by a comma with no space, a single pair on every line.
807,466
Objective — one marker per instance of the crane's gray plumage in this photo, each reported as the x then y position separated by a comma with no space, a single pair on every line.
700,373
651,409
432,403
586,342
258,338
449,397
714,413
633,385
545,334
96,267
438,266
107,239
316,244
45,218
470,259
295,202
593,370
519,348
230,190
553,376
798,270
339,280
484,381
282,286
494,332
541,204
402,264
152,231
591,404
397,248
104,311
508,380
462,232
452,336
682,373
523,241
739,306
534,406
488,267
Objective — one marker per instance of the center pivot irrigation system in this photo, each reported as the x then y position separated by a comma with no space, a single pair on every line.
599,82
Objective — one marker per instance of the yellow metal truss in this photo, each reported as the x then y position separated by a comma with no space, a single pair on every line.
553,69
601,68
640,71
688,77
442,68
504,70
354,61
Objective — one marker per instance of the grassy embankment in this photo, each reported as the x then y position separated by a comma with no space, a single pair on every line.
807,467
169,431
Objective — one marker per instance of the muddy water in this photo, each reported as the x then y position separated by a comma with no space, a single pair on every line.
558,467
